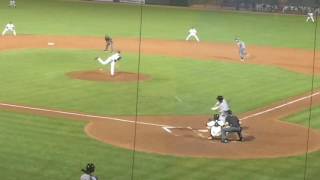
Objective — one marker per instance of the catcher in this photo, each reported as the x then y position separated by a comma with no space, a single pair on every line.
109,43
214,125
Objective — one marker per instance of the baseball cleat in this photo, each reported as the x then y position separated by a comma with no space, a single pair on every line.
225,141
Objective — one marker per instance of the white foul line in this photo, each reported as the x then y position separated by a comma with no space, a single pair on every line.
167,128
280,106
83,115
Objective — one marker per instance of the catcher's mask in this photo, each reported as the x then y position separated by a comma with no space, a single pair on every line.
220,98
89,168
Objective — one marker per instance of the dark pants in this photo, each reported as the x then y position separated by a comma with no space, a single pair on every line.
230,129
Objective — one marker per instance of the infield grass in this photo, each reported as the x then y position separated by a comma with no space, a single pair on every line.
39,148
178,86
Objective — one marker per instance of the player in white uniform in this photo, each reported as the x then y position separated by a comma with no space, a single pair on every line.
12,3
88,173
193,33
111,60
223,108
9,28
310,17
242,49
214,125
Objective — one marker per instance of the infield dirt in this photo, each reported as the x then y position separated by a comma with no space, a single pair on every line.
265,135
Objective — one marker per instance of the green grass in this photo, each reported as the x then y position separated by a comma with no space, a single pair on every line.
306,117
57,17
44,148
37,78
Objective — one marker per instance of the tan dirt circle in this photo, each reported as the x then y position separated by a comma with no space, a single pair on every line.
103,76
265,135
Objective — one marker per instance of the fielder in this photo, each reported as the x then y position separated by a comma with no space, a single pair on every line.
310,17
109,43
193,33
12,3
242,49
9,28
88,172
111,60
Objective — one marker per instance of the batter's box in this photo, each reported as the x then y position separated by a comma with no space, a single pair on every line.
187,132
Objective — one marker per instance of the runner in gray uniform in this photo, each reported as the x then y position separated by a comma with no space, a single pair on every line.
242,49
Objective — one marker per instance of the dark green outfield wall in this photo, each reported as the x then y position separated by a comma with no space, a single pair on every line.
170,2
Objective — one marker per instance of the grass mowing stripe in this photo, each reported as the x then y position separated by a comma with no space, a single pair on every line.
270,84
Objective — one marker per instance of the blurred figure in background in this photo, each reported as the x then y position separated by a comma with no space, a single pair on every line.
193,33
88,172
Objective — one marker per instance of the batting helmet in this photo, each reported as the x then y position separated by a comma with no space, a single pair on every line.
219,98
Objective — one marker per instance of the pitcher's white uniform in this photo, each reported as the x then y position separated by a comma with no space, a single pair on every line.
310,16
192,33
112,61
9,28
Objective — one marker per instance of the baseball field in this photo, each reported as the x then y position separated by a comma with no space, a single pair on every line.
60,109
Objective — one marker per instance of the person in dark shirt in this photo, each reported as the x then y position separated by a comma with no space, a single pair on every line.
109,43
88,172
233,125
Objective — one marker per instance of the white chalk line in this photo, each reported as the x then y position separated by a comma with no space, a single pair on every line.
280,106
165,127
82,115
178,99
168,129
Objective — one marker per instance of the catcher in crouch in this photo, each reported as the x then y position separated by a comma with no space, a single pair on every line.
215,125
219,128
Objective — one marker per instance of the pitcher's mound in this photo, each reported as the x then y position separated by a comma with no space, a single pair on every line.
99,75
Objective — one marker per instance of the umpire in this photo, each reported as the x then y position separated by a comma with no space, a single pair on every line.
233,125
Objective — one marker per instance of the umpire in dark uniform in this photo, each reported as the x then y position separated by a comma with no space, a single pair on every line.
233,125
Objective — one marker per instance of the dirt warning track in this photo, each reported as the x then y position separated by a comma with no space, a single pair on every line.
265,135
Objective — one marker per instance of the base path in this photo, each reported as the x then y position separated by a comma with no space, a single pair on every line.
265,135
297,60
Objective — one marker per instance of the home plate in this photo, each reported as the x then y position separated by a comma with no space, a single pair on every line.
51,43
